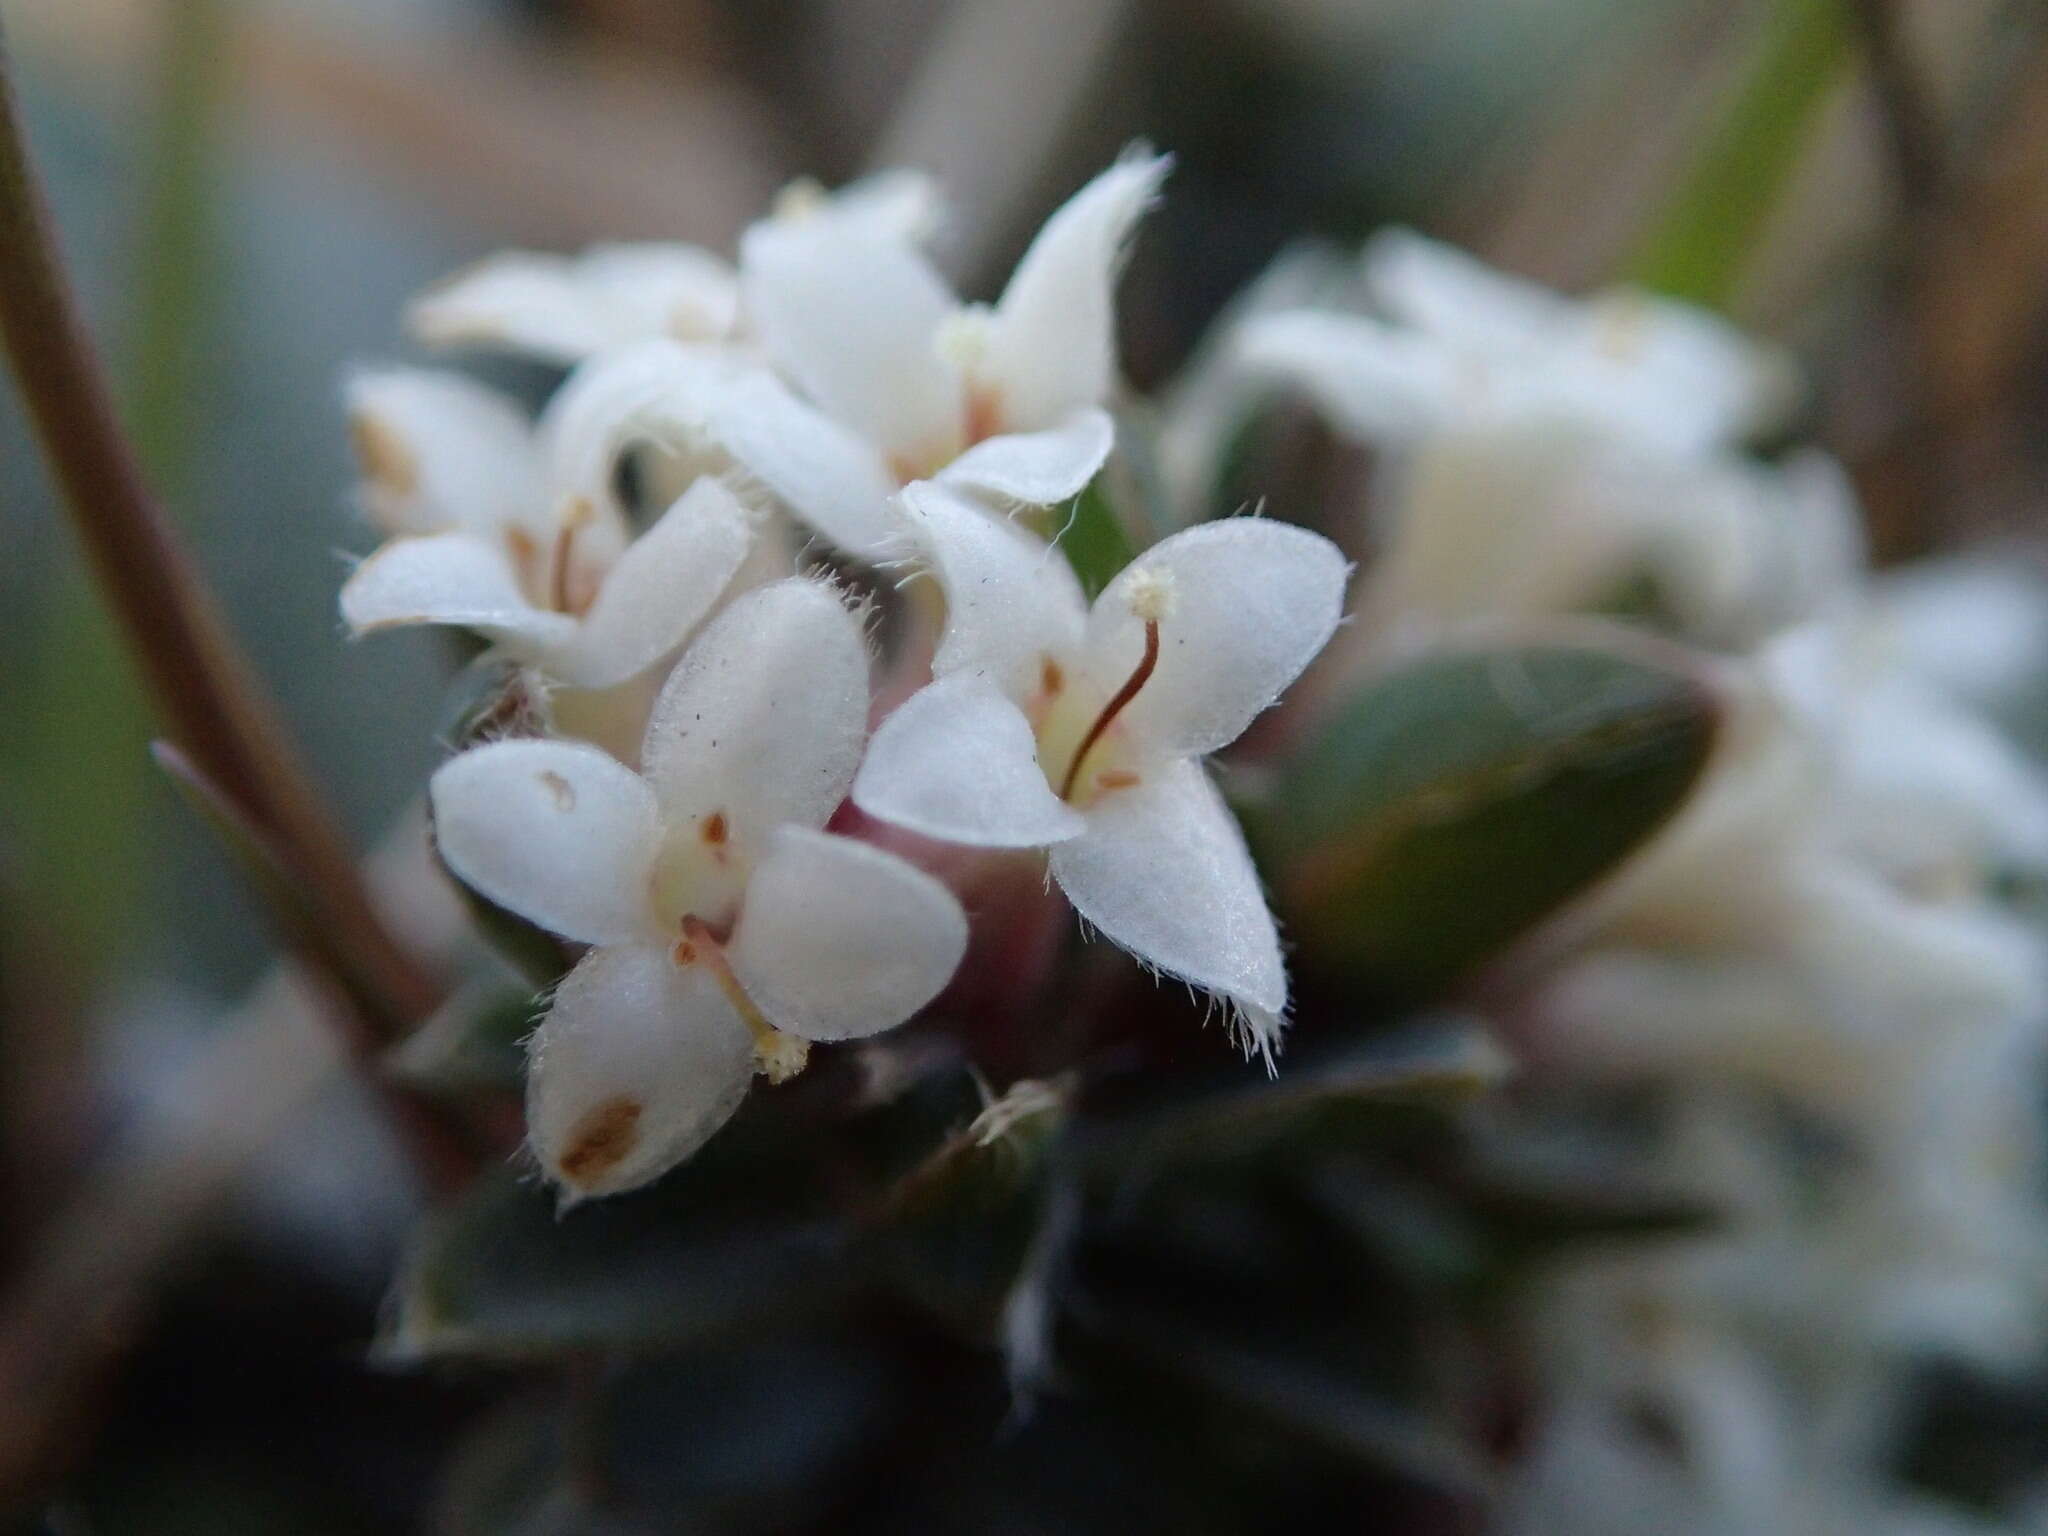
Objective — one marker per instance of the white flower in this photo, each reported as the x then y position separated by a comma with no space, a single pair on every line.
564,309
453,472
728,928
898,380
1465,341
1047,725
1524,518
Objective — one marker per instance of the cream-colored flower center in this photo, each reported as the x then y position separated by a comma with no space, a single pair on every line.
699,881
1084,744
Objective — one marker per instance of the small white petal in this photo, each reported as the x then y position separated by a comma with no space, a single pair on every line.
1678,374
898,204
853,316
764,716
1440,289
1052,341
1163,871
448,578
563,309
638,1063
957,761
839,939
1245,604
650,391
1011,599
1376,382
440,452
1037,469
556,831
828,474
660,590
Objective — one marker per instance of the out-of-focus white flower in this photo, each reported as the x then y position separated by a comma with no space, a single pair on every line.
728,928
1529,518
1051,725
1464,343
1542,454
564,309
1974,627
452,471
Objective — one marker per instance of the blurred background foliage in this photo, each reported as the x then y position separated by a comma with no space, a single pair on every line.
248,192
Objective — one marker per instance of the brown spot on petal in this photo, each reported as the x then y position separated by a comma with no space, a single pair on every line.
601,1141
563,791
685,952
1050,678
385,457
715,829
1116,778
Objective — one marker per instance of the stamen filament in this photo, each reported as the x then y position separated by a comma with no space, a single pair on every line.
780,1056
558,579
1123,696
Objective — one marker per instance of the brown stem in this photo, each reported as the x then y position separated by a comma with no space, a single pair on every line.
204,689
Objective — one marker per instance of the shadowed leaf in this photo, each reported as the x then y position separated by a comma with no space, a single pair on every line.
1452,805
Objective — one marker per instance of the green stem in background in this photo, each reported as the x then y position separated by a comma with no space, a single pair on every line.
201,684
1697,246
81,756
176,259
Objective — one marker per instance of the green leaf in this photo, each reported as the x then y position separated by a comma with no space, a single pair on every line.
737,1236
954,1232
1094,539
1435,1062
1455,803
1697,247
755,1229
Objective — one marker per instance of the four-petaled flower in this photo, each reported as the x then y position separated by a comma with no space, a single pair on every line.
1462,340
563,309
729,929
454,473
1048,725
896,379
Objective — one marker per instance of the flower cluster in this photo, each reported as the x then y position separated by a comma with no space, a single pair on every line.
673,812
1813,995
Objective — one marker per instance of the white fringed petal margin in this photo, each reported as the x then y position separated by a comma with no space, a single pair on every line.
1246,604
1037,469
853,316
957,761
564,308
660,589
839,939
764,716
1052,338
1010,598
638,1063
556,831
448,578
827,474
439,451
1163,871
